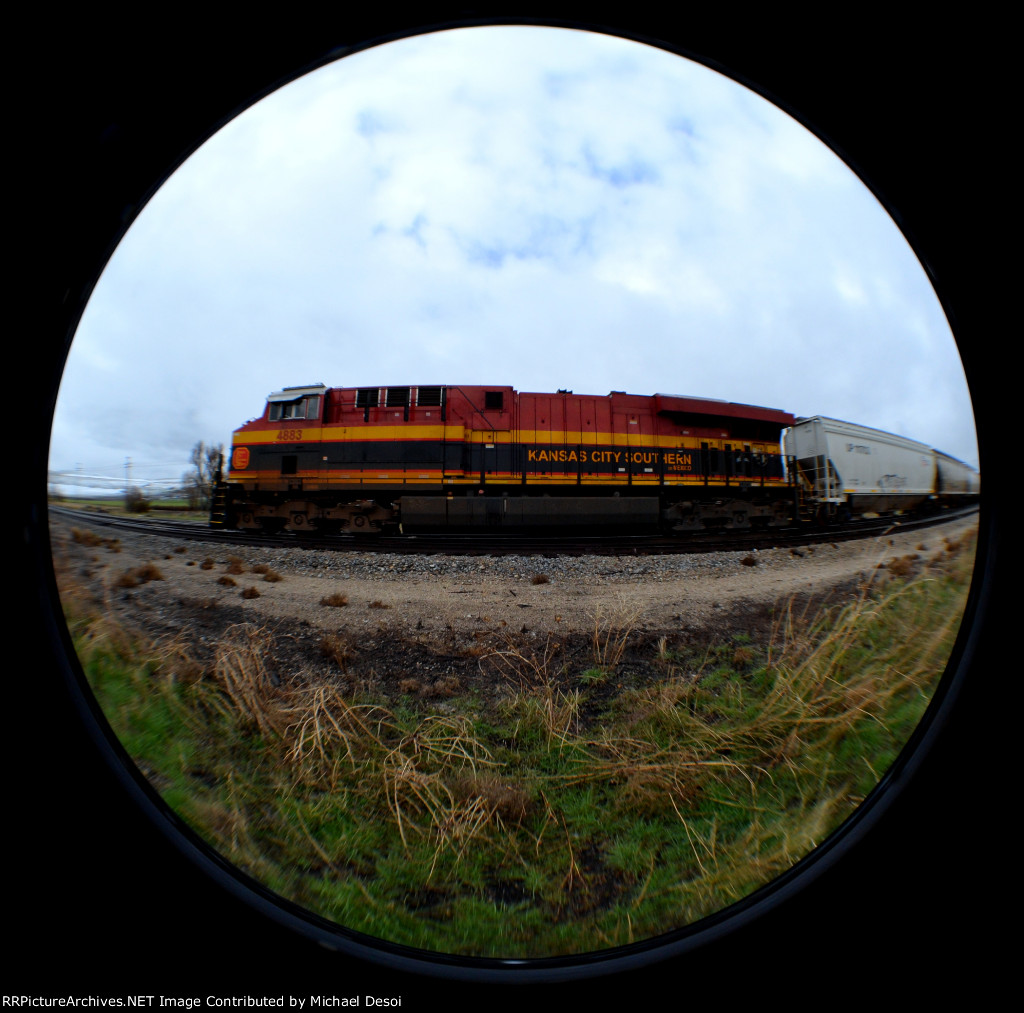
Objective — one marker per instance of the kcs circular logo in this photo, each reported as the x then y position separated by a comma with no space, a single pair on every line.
240,458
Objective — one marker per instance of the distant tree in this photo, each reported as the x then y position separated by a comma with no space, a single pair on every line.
135,501
198,481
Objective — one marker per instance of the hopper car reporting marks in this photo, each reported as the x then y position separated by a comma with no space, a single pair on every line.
367,459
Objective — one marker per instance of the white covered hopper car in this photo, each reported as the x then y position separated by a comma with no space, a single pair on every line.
842,469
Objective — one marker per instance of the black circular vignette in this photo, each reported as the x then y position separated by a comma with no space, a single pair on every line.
103,898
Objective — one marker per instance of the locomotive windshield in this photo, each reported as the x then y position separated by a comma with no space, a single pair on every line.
295,403
300,408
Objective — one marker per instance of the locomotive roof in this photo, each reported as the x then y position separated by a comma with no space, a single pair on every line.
669,403
293,393
727,409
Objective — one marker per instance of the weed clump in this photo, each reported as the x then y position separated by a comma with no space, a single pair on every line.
901,566
749,560
742,657
227,581
338,649
446,686
540,578
335,601
140,575
511,802
90,539
207,564
267,572
251,592
235,565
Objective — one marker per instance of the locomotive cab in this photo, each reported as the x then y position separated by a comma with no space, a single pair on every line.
295,403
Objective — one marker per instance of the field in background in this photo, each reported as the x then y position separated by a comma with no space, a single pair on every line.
564,817
164,507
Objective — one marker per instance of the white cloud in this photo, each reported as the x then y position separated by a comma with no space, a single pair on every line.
540,207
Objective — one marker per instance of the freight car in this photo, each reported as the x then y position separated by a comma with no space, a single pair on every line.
841,470
366,459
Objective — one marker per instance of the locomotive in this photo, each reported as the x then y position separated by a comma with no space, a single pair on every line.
364,460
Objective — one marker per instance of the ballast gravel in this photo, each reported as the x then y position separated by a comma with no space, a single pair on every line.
436,594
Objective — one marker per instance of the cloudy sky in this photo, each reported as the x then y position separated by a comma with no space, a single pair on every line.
537,207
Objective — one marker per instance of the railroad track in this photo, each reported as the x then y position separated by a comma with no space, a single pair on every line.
523,545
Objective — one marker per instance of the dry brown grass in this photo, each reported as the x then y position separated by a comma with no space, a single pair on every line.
90,615
251,592
272,576
335,600
338,648
316,726
90,539
509,801
742,657
540,578
610,638
378,604
175,660
240,668
415,774
235,565
227,581
446,686
749,560
536,693
322,725
902,566
207,564
139,575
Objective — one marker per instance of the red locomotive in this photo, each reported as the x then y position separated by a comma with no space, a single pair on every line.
365,459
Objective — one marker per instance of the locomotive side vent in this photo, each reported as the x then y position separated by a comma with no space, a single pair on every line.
367,397
428,397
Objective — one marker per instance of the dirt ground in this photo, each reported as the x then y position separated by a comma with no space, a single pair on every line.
427,625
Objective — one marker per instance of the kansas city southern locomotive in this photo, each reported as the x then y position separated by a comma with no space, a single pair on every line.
367,459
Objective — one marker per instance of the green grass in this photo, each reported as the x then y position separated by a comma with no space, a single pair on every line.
165,507
559,821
